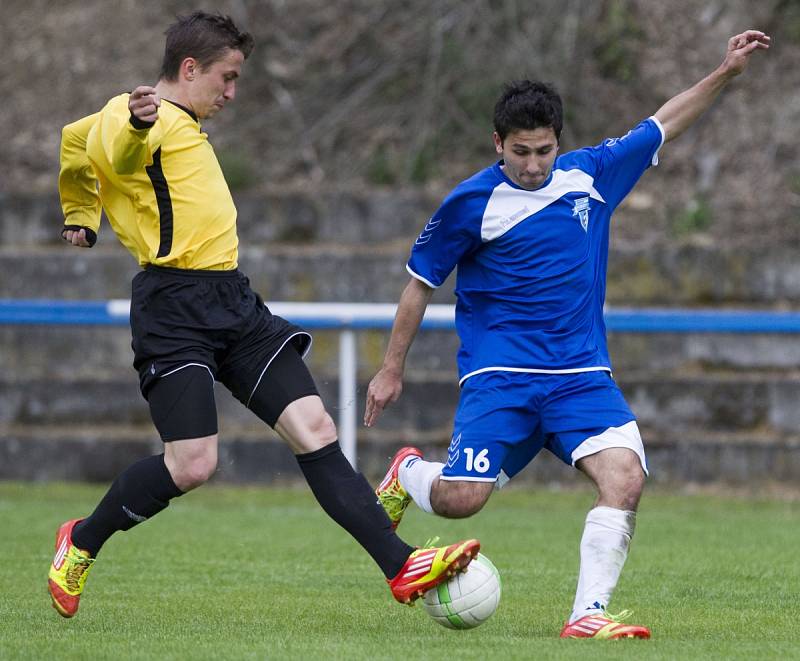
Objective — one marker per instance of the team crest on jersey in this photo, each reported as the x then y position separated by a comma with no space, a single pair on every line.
453,451
581,210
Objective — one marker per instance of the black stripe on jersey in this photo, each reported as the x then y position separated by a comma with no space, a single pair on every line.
164,202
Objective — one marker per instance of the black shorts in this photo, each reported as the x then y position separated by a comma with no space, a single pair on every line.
182,402
209,318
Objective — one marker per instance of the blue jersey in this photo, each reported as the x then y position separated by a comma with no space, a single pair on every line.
531,277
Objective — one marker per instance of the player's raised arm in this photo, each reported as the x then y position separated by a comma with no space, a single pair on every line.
681,111
387,385
130,148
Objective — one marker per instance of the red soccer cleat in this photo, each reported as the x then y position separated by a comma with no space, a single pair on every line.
604,626
428,567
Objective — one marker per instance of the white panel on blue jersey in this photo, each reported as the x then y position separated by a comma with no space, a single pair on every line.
509,206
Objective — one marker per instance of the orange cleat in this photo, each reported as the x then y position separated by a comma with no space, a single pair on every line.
604,626
428,567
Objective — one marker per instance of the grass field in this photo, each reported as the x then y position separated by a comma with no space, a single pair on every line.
232,573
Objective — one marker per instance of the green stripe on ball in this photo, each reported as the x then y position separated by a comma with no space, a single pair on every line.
444,599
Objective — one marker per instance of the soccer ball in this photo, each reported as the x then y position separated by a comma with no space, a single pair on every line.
468,599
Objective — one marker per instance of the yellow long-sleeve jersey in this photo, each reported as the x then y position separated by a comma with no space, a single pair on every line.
161,187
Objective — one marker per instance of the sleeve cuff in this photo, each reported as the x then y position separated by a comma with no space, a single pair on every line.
420,278
91,235
139,124
657,122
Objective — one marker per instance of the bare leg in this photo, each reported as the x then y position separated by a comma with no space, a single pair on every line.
618,475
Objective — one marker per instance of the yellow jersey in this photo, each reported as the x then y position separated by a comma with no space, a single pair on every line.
161,187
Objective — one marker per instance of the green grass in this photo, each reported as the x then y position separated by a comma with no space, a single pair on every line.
232,573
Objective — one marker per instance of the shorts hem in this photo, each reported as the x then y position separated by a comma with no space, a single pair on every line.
622,439
173,438
466,478
178,369
269,362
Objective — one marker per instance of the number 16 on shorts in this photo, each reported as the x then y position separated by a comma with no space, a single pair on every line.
468,462
476,462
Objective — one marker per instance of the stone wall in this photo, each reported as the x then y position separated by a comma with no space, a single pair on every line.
712,407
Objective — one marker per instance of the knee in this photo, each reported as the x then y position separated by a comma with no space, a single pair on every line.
192,471
628,483
458,500
633,477
306,425
322,428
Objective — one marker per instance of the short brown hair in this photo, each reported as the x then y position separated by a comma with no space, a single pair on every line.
203,36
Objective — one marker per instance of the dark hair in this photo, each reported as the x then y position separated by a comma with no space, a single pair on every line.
203,36
527,104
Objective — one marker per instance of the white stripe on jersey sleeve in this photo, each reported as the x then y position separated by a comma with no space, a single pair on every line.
657,122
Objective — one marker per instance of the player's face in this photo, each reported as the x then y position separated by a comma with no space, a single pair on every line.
528,155
210,89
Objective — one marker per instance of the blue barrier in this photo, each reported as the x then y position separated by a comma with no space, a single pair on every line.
349,317
317,316
89,313
652,320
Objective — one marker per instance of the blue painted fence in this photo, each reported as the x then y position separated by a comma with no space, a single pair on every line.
350,317
380,316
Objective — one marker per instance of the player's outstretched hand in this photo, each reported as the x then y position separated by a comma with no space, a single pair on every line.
384,389
741,46
144,102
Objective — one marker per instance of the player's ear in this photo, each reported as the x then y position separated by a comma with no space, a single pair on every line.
498,142
189,68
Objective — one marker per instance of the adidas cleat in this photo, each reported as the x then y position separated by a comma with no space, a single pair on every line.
604,626
68,572
391,495
428,567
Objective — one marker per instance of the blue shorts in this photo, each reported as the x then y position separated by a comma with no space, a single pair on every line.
505,418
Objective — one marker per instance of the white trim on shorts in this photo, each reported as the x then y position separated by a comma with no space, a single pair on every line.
461,478
269,362
626,436
178,369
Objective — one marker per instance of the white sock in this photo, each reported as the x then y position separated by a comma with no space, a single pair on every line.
604,549
416,477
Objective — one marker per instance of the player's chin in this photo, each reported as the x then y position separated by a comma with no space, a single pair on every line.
211,111
532,183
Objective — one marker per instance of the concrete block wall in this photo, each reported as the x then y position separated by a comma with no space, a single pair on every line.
712,407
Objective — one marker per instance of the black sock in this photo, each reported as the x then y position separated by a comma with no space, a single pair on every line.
141,491
348,499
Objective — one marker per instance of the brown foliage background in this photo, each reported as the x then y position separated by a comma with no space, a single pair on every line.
361,93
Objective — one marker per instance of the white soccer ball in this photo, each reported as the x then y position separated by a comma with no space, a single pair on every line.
468,599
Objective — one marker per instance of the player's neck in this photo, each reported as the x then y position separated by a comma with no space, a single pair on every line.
173,92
